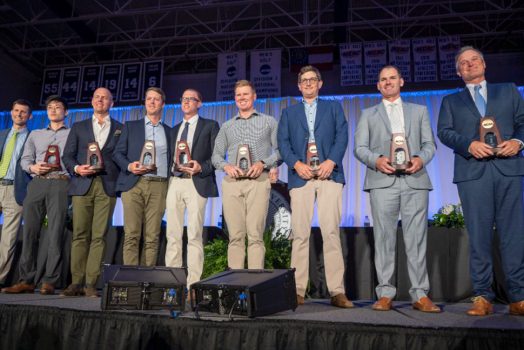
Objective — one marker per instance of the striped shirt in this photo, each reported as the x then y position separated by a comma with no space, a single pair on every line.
259,132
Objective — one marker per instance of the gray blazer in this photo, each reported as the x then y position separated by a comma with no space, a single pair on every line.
373,139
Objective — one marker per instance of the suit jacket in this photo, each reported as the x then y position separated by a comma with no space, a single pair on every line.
75,153
201,150
373,139
458,126
331,138
22,178
129,148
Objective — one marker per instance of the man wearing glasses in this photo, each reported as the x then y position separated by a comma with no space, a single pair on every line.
312,139
143,191
192,183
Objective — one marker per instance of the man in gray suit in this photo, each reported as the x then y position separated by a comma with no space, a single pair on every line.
391,192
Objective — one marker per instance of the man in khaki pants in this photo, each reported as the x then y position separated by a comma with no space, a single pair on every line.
93,191
144,191
315,128
245,195
192,183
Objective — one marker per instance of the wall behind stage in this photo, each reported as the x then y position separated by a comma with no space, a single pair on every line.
355,201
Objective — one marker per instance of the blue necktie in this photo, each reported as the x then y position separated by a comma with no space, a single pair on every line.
479,101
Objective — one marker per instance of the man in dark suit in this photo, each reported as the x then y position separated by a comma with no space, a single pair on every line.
93,191
192,183
13,183
143,191
319,128
489,179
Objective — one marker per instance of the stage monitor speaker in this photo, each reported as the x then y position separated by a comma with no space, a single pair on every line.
143,288
249,293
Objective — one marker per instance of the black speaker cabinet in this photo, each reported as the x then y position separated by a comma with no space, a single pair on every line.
143,288
249,293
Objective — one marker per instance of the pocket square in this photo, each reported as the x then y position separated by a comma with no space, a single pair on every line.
117,132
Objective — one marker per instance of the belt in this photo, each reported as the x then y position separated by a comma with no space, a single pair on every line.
5,182
53,177
154,178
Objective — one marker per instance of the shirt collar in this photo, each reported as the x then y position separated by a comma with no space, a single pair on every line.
60,128
254,114
20,131
387,103
106,119
471,87
191,120
148,121
314,103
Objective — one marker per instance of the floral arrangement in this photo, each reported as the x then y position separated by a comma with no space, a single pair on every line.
449,216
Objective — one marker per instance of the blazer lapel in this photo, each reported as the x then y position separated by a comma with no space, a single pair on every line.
302,117
321,112
198,131
381,111
468,101
406,111
493,95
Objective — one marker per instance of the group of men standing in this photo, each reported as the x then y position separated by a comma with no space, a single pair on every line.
311,138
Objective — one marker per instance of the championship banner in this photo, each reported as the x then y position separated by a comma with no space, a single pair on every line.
131,82
266,72
69,88
51,84
425,58
89,83
350,64
448,47
153,73
111,74
231,68
375,59
400,56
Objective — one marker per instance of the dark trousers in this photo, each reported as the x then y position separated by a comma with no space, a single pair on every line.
44,196
495,199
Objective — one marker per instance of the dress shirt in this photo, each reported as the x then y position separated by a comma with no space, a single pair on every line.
311,113
157,133
398,104
259,132
36,147
20,139
101,131
193,121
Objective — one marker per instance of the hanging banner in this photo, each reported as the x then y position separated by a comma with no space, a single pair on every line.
89,83
111,74
448,47
400,56
131,82
69,88
51,84
153,72
350,64
266,72
231,68
425,58
375,59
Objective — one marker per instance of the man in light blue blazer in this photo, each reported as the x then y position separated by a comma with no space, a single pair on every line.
489,185
393,193
320,123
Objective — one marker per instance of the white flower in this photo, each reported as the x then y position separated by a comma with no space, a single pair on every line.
447,209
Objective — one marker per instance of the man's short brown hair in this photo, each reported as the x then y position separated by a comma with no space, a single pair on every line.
158,91
245,82
309,68
23,102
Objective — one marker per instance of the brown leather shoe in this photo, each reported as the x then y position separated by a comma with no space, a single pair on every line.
90,292
20,287
300,300
481,307
340,300
47,289
73,290
517,308
425,304
382,304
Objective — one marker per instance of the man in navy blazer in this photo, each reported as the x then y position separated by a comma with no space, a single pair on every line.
489,184
143,192
93,191
13,183
321,125
192,183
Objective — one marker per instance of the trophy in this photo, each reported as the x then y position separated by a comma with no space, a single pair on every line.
52,157
244,160
489,133
94,157
148,156
312,158
183,155
400,159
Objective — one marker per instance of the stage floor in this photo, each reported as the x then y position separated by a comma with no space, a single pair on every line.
317,314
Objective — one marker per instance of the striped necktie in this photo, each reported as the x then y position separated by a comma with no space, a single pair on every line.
479,101
395,119
8,153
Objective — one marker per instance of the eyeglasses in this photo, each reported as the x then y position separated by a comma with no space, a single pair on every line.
308,80
189,99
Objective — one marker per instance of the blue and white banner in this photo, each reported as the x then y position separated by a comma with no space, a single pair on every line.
131,82
69,88
425,58
350,64
400,56
51,84
266,72
375,58
111,74
448,47
231,68
89,83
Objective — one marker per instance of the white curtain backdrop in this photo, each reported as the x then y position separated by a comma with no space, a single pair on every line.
355,201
